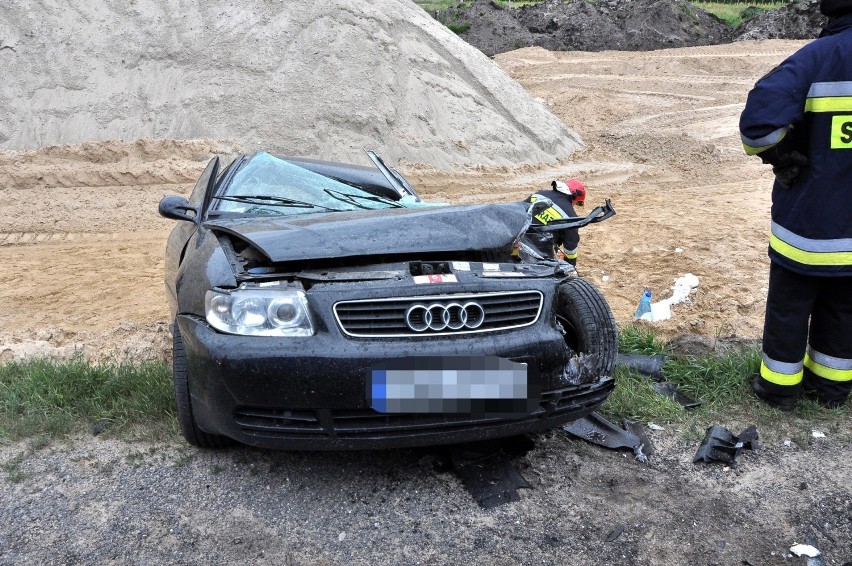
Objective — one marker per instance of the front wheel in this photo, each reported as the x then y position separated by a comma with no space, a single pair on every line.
183,401
589,327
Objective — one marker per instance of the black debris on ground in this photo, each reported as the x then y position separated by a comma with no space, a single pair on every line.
669,390
487,469
720,445
597,430
649,366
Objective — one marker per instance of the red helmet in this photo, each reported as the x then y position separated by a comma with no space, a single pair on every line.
576,190
573,188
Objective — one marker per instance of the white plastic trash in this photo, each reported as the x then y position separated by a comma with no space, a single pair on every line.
804,550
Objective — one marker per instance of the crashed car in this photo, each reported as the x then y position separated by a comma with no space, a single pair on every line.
320,305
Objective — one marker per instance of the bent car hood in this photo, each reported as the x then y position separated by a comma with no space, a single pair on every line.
378,232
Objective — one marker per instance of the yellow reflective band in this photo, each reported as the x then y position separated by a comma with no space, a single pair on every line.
548,215
780,378
826,372
755,150
809,258
571,256
841,132
829,104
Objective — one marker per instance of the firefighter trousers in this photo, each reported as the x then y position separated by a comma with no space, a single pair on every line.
807,336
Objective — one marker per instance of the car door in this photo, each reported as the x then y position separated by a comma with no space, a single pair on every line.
176,245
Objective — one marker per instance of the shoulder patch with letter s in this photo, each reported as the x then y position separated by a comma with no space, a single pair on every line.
841,132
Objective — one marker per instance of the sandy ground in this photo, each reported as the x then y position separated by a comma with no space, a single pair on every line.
81,244
81,259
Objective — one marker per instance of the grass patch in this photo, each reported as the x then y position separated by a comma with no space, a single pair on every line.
44,397
723,383
639,340
459,28
734,14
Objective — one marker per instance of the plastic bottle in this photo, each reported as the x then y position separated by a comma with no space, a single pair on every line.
644,305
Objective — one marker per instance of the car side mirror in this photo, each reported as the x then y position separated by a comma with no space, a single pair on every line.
177,208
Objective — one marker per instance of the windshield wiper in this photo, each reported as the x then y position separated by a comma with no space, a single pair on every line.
274,201
351,199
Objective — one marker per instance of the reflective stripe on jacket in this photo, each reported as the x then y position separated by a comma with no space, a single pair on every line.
806,103
562,208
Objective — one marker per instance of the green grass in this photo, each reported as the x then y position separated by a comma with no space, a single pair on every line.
734,14
723,383
459,28
44,399
53,398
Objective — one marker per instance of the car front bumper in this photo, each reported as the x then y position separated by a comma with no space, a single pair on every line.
256,391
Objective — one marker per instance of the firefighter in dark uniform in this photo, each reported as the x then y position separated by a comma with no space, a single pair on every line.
562,244
798,118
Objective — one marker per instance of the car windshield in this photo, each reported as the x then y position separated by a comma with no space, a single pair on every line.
269,185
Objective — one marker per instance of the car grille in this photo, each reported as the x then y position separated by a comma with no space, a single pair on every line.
373,318
366,423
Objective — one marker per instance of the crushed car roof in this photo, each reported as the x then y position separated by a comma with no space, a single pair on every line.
390,231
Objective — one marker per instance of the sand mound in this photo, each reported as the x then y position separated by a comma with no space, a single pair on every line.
323,79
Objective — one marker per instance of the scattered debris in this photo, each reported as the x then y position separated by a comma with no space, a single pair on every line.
100,426
643,311
804,550
662,310
597,430
654,426
667,389
615,533
817,560
635,427
817,434
652,366
487,471
721,445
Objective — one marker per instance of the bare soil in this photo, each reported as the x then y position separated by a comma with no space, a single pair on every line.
81,259
622,25
81,247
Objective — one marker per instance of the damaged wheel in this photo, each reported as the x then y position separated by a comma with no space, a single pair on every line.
588,324
183,402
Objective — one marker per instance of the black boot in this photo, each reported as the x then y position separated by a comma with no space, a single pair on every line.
784,403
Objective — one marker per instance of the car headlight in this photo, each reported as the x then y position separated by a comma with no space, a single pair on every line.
251,312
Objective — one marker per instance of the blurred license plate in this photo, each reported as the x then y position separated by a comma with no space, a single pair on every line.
481,385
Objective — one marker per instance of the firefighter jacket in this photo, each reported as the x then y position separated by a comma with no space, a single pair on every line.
805,105
563,207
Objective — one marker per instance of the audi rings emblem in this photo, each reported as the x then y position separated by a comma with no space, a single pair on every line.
438,317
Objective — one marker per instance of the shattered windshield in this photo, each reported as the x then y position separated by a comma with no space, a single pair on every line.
269,185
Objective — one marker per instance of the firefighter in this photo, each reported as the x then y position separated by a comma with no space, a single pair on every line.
798,118
561,244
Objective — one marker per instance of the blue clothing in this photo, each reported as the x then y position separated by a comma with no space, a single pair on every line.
805,105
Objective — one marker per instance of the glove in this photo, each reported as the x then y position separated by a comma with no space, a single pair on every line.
787,168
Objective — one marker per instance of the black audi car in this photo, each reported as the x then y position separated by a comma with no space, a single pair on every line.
320,305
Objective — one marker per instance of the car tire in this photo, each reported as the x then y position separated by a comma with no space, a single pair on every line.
589,326
183,402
